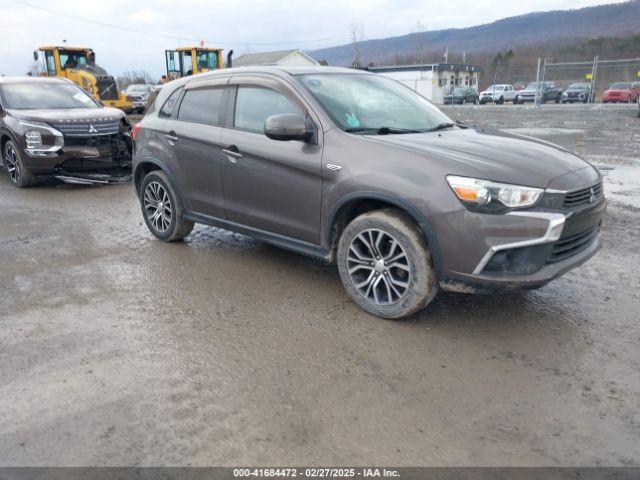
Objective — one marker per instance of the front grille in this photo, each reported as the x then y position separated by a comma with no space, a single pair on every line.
568,246
87,127
586,196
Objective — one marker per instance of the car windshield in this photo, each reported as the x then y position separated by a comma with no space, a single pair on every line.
460,91
620,86
362,103
534,85
136,89
579,85
40,95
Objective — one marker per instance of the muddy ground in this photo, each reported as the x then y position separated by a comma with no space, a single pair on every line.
118,349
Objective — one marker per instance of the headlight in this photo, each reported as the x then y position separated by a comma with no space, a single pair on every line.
33,139
40,138
492,197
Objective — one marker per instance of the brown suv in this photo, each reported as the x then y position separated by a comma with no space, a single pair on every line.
51,127
357,169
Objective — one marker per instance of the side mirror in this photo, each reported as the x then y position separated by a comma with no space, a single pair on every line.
287,126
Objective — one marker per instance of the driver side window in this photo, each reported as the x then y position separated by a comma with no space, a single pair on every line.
255,104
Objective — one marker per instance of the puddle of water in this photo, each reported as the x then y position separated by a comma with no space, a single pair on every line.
622,184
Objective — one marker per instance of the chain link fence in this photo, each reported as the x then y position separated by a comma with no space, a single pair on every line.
596,81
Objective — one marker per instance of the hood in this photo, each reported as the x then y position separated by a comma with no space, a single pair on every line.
491,155
582,89
104,114
618,91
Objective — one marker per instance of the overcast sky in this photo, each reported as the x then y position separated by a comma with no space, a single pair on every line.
244,25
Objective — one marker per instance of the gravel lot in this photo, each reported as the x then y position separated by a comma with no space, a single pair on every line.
117,349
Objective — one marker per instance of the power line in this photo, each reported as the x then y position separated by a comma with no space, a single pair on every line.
172,37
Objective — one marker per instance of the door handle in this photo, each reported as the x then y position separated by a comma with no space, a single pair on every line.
171,137
232,153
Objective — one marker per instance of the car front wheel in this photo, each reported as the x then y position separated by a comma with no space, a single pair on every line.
385,264
18,174
161,208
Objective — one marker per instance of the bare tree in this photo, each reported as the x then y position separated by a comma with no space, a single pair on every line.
34,69
133,77
417,40
357,35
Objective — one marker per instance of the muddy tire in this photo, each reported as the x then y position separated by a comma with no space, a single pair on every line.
385,265
161,208
12,158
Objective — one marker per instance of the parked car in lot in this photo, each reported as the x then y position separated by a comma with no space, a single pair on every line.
577,92
356,169
622,92
498,94
547,91
461,95
139,94
51,127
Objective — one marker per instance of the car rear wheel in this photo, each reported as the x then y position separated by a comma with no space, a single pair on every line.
385,264
18,174
161,208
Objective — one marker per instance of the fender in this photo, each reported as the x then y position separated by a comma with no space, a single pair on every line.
140,162
6,132
423,223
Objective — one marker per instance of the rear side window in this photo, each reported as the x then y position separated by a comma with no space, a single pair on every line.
202,106
169,105
255,104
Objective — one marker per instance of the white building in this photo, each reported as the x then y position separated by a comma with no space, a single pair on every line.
433,81
290,58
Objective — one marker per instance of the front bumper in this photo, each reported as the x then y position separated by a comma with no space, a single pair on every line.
89,160
516,251
527,97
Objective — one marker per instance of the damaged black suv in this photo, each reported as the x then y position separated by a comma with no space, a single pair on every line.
51,127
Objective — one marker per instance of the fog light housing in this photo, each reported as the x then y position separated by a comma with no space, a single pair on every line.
500,262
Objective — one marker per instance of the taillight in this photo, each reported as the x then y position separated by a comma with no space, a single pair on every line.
134,131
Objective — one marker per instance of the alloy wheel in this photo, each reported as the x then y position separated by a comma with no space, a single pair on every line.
379,267
157,206
12,164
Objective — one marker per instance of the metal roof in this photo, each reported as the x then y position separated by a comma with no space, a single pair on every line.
265,58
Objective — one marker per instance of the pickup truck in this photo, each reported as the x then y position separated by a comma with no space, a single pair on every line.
548,91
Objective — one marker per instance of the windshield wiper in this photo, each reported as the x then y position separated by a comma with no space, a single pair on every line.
441,126
382,130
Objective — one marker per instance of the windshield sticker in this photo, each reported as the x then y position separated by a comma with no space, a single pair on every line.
352,120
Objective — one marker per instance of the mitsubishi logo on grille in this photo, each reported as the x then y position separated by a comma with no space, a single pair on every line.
592,198
93,129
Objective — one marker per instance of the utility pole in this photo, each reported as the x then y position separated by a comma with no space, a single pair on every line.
594,74
537,82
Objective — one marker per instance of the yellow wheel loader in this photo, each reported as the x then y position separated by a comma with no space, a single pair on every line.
186,61
79,66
